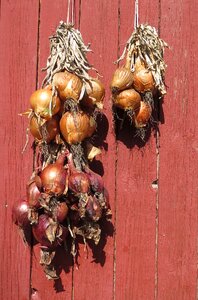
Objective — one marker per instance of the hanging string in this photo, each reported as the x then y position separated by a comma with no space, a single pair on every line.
70,15
136,17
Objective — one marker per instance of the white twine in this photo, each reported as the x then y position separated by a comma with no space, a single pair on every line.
70,4
136,15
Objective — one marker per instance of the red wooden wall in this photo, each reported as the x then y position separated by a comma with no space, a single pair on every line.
153,252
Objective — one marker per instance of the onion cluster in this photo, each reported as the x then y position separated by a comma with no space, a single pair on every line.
134,84
64,197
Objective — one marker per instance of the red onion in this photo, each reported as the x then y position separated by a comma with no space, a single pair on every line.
60,211
93,208
48,233
78,181
20,214
33,194
96,180
74,216
55,177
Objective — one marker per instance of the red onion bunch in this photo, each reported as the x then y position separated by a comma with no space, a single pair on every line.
64,198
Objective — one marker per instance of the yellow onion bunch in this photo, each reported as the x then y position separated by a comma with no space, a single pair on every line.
64,197
134,84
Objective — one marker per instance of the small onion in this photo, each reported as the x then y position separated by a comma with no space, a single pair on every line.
127,99
93,209
96,181
95,93
33,193
143,116
78,181
54,177
69,85
40,103
75,127
40,231
122,79
47,132
20,214
60,211
143,81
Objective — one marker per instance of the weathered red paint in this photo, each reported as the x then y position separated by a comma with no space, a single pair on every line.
153,254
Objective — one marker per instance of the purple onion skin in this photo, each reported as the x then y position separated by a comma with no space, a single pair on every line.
39,232
79,183
20,214
33,195
96,181
93,209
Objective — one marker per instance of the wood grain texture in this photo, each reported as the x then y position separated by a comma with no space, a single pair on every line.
178,192
98,25
18,30
136,199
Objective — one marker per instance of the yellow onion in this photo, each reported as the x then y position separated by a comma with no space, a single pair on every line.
127,99
46,131
43,104
69,85
76,126
139,64
143,80
95,93
142,117
122,79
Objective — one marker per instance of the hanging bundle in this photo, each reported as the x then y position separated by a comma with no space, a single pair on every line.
65,198
142,76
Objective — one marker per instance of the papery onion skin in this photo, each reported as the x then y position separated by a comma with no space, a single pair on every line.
54,177
96,181
33,195
93,209
39,232
143,81
95,94
51,129
40,103
122,79
75,127
69,85
143,116
20,214
127,99
61,212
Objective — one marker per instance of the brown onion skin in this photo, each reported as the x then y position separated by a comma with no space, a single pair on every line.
20,214
40,101
95,94
122,79
127,99
51,128
75,127
143,116
143,81
96,181
54,177
69,85
39,232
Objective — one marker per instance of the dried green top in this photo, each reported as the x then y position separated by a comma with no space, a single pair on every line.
146,44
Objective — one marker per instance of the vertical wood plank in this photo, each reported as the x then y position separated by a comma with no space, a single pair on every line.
98,25
136,200
18,30
178,192
51,13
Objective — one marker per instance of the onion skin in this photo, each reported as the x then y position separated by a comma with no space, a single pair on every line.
33,194
127,99
96,181
61,212
95,94
20,214
143,116
143,81
51,129
54,177
122,79
40,102
69,85
39,232
75,127
93,209
78,181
